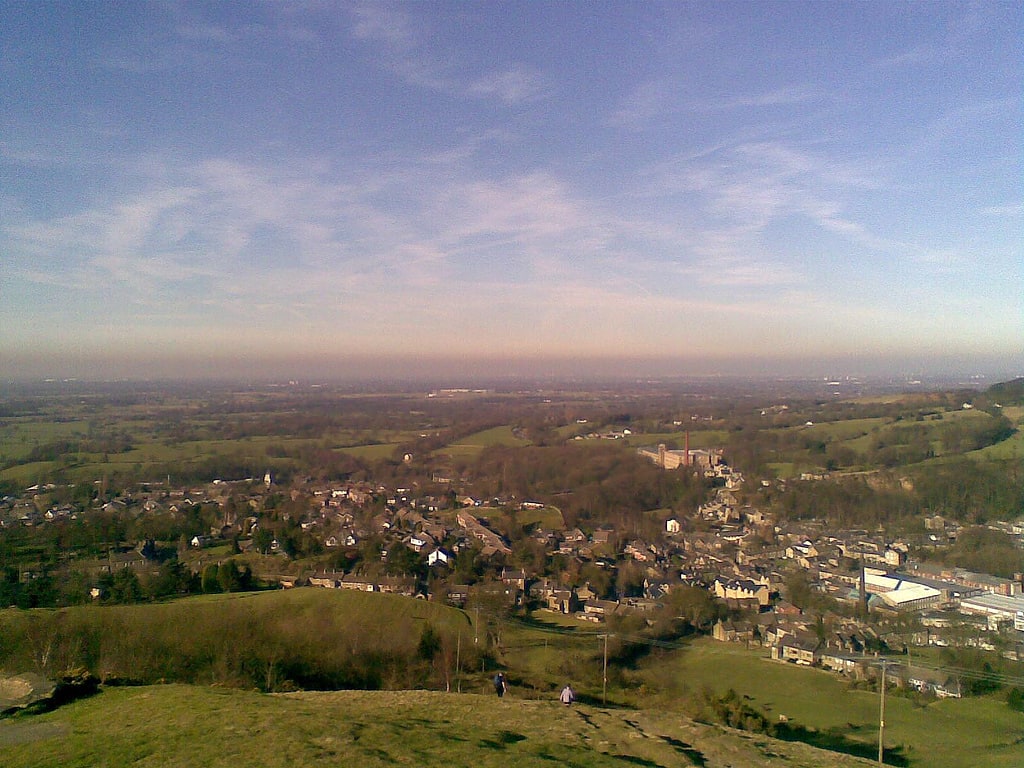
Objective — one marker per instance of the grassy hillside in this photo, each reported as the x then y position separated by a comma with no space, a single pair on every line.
305,638
327,638
317,638
184,726
979,732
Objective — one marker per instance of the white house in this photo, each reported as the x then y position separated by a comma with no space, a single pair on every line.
438,557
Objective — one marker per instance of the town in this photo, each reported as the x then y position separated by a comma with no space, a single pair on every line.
805,591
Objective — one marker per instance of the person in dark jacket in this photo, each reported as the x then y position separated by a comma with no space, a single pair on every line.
500,684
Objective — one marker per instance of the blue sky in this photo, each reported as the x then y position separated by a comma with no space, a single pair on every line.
193,189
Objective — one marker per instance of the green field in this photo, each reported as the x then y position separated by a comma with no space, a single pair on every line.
473,444
554,649
708,438
1014,413
371,452
257,431
841,430
20,435
1012,447
256,451
571,430
977,732
549,518
783,470
161,435
29,474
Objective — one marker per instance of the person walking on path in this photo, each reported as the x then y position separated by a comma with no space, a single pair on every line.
500,684
567,696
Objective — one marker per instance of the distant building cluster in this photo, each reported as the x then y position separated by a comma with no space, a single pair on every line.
706,460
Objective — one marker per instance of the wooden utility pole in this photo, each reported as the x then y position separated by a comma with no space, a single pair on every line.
604,674
458,664
881,716
863,602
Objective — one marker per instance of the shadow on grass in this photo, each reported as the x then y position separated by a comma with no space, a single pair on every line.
379,754
695,755
633,760
836,741
529,620
598,703
503,740
562,760
586,719
733,711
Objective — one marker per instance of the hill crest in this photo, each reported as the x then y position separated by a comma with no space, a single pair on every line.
200,726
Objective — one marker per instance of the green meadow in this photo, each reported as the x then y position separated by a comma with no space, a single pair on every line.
841,430
1013,446
29,474
549,518
19,435
473,444
950,733
149,453
783,470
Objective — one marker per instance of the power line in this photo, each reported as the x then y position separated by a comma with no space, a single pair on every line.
971,674
961,672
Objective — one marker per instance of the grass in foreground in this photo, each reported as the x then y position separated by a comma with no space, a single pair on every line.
184,726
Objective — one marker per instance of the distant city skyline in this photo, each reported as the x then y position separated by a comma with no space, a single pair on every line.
211,190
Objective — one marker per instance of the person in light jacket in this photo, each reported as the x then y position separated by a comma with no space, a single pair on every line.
567,696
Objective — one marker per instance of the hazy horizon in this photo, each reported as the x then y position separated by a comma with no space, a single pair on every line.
439,369
226,189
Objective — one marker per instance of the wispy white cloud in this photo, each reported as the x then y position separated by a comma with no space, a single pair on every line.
657,101
510,86
205,32
917,54
214,218
748,186
650,101
783,96
180,37
385,22
403,46
969,25
951,131
736,194
1010,209
263,247
29,154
